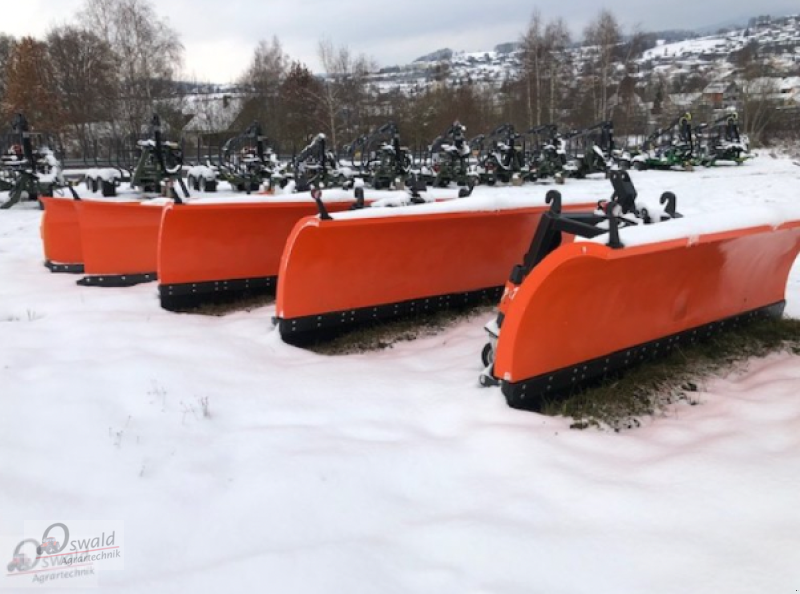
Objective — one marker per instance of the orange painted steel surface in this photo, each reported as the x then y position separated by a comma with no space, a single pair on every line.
119,237
332,266
61,235
585,300
214,242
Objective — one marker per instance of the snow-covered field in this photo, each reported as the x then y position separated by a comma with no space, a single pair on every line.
693,46
385,472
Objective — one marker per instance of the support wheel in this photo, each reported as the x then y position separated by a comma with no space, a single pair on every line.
108,188
487,354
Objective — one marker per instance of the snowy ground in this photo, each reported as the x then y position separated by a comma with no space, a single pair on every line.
388,472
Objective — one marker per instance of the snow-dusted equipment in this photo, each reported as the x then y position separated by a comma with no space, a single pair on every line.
721,141
159,164
670,147
114,243
246,163
545,153
625,291
449,156
590,149
61,235
119,241
315,166
105,180
27,172
385,161
222,251
202,178
380,263
504,159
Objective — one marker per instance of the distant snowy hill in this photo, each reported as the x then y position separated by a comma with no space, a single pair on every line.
778,38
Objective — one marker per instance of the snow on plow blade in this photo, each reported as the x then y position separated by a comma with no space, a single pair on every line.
119,241
384,263
61,235
222,249
588,310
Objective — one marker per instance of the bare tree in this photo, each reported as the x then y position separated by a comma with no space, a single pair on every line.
264,77
534,50
544,60
7,43
628,115
267,68
344,91
148,53
758,105
557,40
30,86
603,36
84,78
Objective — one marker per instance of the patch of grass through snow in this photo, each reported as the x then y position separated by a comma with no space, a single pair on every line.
223,306
385,335
650,388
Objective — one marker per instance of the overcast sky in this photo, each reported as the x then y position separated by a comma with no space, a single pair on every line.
220,35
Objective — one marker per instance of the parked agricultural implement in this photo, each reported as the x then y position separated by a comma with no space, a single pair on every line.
385,162
452,253
113,243
589,150
27,173
669,147
546,153
246,165
225,250
201,250
152,165
721,141
61,235
159,166
314,166
355,155
625,291
449,157
504,159
119,241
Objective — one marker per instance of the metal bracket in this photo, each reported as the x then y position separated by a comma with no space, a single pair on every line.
324,215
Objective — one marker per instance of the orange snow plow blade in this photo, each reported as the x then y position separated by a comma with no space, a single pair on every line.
587,310
220,250
119,241
61,235
387,263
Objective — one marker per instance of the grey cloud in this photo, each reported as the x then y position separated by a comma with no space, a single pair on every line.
397,32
